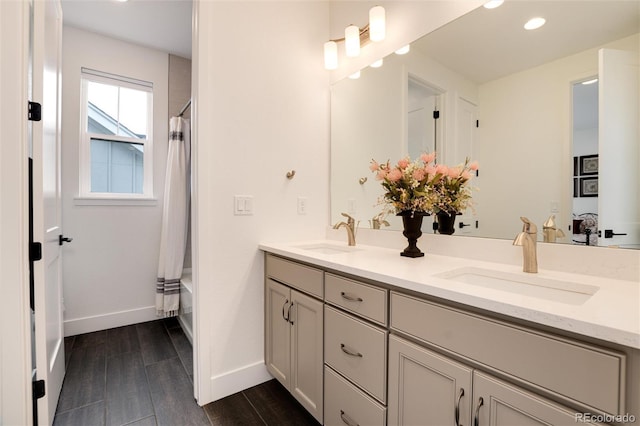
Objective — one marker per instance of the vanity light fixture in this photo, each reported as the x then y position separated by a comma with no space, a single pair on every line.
593,80
377,64
375,30
355,75
492,4
534,23
403,50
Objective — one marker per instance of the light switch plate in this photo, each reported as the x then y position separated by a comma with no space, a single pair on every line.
302,205
243,205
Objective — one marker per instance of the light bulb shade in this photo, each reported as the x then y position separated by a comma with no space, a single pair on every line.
403,50
331,55
355,75
377,27
377,64
352,41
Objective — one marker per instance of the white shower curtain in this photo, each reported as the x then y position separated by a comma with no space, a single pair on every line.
175,218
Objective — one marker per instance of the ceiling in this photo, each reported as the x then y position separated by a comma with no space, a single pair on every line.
488,44
160,24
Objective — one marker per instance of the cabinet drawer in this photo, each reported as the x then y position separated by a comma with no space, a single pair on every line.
361,299
591,375
356,350
344,404
295,275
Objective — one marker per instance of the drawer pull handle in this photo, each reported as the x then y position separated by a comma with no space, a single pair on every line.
476,418
349,352
285,304
347,420
457,411
350,298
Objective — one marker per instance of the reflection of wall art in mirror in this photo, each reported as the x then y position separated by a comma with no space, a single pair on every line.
589,165
589,187
576,168
576,187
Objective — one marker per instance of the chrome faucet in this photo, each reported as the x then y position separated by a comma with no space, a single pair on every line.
528,240
550,231
350,226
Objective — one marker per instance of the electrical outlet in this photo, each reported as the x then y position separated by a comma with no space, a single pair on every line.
554,207
302,205
351,206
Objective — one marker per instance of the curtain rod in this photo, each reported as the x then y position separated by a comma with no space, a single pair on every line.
184,108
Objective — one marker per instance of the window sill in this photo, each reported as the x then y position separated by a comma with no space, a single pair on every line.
115,201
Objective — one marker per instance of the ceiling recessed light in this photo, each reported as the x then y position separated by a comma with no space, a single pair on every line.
534,23
377,64
492,4
593,80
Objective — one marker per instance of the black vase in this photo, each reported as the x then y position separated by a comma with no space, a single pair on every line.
412,223
446,221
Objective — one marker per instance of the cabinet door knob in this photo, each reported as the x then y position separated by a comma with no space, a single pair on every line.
347,420
476,418
457,411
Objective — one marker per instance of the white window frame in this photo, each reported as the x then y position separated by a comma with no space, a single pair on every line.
85,196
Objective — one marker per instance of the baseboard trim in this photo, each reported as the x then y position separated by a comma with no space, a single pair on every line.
109,320
237,380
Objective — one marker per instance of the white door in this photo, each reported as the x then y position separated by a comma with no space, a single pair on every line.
619,156
49,340
466,134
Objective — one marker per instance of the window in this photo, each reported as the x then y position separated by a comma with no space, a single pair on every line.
116,137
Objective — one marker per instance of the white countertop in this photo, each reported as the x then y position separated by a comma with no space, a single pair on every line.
611,314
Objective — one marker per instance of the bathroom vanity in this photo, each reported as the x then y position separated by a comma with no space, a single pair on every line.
362,336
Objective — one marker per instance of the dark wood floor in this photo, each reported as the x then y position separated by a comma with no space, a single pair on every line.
142,375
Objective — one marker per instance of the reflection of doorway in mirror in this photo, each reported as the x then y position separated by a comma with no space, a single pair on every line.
585,143
424,127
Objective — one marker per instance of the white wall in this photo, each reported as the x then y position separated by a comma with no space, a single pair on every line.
261,109
526,118
110,268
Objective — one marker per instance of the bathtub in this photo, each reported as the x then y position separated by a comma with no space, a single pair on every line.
185,317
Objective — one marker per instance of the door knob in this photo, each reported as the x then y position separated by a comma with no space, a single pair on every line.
608,233
62,239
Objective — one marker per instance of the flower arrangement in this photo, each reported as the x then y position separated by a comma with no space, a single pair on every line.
423,186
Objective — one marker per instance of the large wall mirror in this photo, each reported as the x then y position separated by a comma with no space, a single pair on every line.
551,115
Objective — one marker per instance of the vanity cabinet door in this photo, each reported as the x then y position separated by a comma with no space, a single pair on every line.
426,388
497,403
307,352
278,331
294,344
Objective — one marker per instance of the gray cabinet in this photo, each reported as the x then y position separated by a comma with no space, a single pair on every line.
426,388
294,343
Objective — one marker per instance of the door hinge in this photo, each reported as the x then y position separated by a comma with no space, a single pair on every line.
436,115
35,252
38,389
35,111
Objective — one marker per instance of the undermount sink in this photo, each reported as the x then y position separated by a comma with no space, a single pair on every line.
527,285
323,248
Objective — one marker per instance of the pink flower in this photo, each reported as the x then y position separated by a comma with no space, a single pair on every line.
419,174
430,170
381,174
466,175
441,169
374,166
394,175
403,163
428,158
473,166
454,172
